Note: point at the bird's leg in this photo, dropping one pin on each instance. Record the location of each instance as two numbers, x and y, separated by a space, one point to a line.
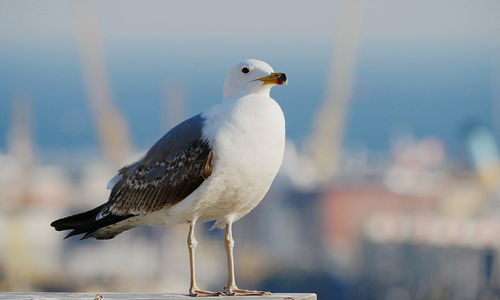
229 245
231 287
192 243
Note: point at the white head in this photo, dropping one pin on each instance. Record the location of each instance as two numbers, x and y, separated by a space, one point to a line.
251 76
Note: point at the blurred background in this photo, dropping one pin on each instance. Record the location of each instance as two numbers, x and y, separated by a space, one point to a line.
390 184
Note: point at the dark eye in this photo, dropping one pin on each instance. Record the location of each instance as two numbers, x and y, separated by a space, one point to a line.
245 70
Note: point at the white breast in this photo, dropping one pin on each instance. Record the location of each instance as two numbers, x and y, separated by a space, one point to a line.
248 138
248 135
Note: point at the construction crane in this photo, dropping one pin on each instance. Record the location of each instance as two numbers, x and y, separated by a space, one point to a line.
324 146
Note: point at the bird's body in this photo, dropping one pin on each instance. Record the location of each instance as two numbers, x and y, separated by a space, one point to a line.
247 159
249 135
217 165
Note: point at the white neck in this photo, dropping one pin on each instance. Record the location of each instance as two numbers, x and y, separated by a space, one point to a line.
264 90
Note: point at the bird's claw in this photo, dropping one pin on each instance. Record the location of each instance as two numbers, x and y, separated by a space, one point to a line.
202 293
241 292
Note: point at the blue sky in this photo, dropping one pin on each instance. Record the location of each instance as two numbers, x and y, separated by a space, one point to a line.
425 67
258 21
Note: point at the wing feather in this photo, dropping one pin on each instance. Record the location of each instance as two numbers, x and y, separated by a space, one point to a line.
152 185
173 168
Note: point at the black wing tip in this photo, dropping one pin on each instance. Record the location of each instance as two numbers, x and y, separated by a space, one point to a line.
89 226
77 220
60 225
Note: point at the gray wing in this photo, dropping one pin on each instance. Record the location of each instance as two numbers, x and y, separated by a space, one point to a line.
171 170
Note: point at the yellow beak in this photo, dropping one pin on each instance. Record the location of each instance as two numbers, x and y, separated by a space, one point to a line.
274 78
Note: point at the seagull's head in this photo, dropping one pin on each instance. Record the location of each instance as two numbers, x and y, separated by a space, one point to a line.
251 76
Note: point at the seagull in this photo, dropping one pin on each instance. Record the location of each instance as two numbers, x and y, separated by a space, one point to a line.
216 166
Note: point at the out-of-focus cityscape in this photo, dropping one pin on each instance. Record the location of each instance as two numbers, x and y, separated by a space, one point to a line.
390 184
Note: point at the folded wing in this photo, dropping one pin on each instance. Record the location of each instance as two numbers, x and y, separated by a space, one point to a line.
171 170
